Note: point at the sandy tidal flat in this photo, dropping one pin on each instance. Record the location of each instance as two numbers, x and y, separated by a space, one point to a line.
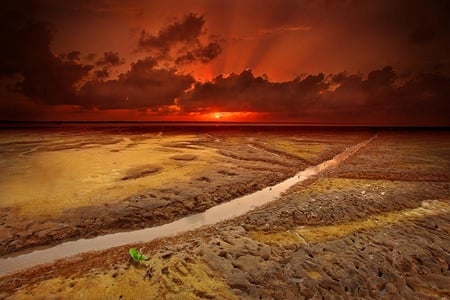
334 235
59 184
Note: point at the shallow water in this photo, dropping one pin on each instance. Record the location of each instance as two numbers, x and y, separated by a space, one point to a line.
213 215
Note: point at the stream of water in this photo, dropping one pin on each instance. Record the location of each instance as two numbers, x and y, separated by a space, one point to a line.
211 216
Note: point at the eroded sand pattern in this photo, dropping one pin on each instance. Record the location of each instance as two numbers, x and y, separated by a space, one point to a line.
90 182
224 211
374 226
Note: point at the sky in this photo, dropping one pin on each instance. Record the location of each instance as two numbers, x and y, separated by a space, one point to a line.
384 62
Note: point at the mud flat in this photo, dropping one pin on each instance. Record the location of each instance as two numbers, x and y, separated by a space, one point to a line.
86 183
336 234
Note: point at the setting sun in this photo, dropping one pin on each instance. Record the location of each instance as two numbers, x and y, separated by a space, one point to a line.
228 116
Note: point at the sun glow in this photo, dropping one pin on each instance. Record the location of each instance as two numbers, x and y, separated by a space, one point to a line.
227 116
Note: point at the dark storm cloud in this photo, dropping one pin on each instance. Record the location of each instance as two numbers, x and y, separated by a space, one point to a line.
51 81
144 86
14 106
110 58
26 51
73 55
182 37
106 63
203 54
15 20
186 31
335 98
20 110
245 92
102 73
47 79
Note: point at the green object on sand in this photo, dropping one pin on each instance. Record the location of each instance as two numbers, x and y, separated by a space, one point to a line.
136 255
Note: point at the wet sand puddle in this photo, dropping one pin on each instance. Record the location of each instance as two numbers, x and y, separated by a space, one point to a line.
211 216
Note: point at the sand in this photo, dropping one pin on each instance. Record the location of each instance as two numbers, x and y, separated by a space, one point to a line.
87 183
353 231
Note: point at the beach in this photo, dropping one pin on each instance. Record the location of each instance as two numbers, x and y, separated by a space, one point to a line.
373 225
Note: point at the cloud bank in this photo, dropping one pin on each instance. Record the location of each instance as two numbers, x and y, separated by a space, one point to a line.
35 81
382 96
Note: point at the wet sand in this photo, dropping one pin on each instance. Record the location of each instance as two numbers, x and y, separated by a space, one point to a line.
86 183
224 211
352 231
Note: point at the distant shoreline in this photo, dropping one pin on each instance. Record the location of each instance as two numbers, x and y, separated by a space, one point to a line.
7 124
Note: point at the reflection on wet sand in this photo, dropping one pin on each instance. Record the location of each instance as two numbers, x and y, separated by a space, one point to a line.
213 215
87 183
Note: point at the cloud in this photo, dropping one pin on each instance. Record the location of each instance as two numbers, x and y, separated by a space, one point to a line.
181 42
111 59
37 80
49 80
202 54
102 73
14 106
186 31
26 51
245 92
143 86
72 55
339 98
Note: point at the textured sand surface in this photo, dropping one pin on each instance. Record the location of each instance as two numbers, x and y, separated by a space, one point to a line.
335 235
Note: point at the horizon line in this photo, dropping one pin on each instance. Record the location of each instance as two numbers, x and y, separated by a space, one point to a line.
313 124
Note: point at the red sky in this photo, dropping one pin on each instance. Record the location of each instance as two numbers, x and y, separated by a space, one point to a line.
321 61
